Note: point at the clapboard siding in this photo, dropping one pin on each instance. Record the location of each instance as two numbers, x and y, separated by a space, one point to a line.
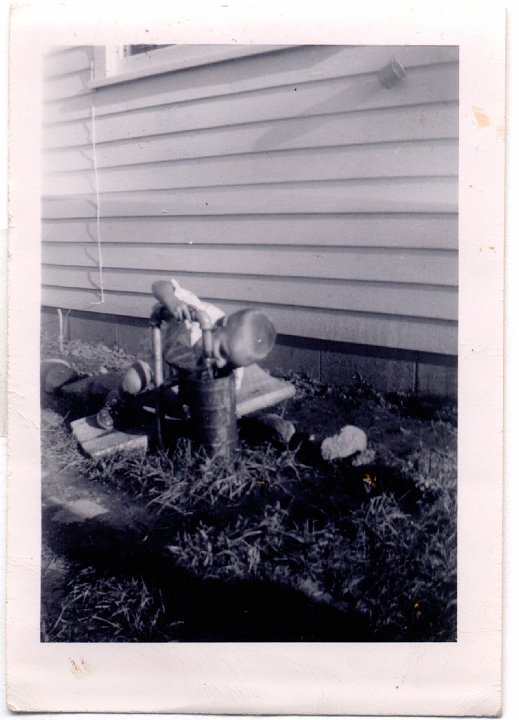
384 297
283 69
313 99
337 163
350 327
415 266
384 125
66 86
72 60
291 179
433 231
435 194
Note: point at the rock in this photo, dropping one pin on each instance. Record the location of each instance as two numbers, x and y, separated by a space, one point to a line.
366 457
349 441
284 429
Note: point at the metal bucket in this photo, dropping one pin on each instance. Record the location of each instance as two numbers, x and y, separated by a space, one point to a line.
212 405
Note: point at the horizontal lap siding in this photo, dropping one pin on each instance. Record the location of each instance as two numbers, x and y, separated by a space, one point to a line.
315 99
382 125
397 230
337 163
415 266
384 297
350 327
368 196
281 69
291 180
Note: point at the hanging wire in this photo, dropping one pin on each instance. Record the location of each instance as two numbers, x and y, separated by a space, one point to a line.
98 205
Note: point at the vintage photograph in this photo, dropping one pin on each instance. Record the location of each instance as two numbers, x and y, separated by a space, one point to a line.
255 361
249 343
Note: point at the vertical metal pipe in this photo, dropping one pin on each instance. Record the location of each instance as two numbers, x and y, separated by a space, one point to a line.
158 370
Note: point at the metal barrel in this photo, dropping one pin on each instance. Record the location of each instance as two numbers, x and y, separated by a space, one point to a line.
212 405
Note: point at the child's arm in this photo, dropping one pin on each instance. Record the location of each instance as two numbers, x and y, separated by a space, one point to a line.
164 291
179 301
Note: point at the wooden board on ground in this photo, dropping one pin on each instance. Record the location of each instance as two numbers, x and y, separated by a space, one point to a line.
258 390
97 442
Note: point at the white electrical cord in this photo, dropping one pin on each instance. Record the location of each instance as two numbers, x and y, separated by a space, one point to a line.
98 207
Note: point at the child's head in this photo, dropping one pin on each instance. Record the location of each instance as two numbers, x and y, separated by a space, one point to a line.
243 338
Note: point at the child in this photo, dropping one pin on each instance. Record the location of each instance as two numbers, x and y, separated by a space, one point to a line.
238 340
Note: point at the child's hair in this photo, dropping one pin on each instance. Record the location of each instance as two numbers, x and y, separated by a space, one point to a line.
249 336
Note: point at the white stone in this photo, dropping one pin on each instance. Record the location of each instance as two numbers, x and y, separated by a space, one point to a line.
366 457
348 441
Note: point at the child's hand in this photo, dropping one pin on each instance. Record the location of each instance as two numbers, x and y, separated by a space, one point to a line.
160 314
182 312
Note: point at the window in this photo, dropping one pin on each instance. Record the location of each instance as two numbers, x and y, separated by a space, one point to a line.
138 49
123 63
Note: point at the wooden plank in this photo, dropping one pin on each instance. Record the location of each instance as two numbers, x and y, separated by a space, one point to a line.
421 122
437 83
364 328
396 195
378 230
381 297
73 60
259 390
437 267
289 67
98 443
86 428
437 157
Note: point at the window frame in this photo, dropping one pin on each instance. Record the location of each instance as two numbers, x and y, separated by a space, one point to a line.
112 65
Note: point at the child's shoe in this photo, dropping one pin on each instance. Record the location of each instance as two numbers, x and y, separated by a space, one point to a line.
108 415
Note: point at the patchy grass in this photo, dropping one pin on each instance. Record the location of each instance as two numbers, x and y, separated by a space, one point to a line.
95 607
298 551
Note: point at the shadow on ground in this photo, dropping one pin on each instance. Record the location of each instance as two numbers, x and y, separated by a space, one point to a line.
125 541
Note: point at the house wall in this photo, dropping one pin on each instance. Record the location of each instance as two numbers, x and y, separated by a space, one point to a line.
291 180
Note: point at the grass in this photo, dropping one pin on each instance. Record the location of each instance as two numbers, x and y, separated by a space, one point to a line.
96 606
328 543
